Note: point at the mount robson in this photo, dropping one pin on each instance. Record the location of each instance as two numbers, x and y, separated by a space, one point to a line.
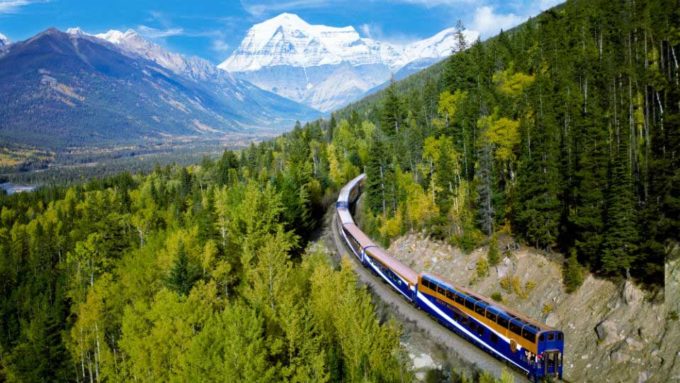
65 89
328 67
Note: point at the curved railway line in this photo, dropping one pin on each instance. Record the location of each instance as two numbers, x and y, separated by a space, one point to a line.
478 337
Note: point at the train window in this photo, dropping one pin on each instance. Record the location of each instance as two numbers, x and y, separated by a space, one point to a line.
528 335
502 321
551 337
494 337
560 336
460 300
470 304
449 294
515 328
491 315
479 309
440 290
541 338
425 283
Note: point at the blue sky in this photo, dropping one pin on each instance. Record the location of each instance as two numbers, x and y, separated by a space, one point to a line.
212 29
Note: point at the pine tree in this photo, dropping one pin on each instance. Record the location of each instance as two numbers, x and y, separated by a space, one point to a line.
485 206
183 274
493 255
392 115
572 273
380 183
620 238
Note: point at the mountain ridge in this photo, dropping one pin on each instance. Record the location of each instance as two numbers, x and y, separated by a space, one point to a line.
68 89
295 59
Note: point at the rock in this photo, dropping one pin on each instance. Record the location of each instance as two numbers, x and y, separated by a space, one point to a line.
634 344
552 320
606 332
631 294
643 376
504 267
620 353
423 361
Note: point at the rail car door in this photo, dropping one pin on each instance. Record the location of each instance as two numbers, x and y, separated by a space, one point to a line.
552 363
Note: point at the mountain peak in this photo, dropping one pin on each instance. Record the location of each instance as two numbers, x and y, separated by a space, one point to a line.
286 18
4 40
312 63
117 37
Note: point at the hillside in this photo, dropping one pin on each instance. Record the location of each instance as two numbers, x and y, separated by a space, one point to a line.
62 90
614 332
559 137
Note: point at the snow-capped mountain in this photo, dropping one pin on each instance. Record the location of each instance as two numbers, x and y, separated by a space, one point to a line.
74 89
193 67
265 107
4 43
327 67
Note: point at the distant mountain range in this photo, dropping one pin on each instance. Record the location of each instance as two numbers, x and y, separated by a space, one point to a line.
326 67
62 89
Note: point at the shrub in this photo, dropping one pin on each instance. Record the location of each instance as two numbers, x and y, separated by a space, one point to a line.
547 308
572 273
497 296
493 255
482 268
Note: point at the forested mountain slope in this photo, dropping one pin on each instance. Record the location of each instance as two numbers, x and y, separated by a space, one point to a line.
60 90
564 131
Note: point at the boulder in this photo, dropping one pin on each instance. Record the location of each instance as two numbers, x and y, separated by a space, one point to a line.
620 353
552 320
504 267
607 332
643 376
631 294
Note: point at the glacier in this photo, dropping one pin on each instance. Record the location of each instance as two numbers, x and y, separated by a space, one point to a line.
328 67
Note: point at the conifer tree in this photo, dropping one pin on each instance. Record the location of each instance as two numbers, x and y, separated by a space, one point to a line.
183 274
619 246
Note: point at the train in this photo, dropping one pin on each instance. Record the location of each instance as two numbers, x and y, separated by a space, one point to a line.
521 342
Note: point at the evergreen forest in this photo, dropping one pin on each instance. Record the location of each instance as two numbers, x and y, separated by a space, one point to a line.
563 132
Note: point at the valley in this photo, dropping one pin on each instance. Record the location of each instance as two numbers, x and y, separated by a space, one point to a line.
508 194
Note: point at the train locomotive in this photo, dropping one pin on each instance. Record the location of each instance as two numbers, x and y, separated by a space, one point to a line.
521 342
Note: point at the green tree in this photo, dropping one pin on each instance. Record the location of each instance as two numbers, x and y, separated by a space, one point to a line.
183 274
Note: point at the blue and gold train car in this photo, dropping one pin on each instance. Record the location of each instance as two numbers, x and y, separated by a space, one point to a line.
530 346
523 343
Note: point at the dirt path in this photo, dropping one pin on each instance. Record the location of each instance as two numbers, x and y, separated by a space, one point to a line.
429 343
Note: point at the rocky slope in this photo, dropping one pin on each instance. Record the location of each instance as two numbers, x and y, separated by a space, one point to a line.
311 63
614 333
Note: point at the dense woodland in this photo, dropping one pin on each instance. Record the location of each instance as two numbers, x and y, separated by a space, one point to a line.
563 132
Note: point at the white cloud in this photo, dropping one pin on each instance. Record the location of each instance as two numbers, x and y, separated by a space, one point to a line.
12 6
265 7
488 23
436 3
220 46
155 33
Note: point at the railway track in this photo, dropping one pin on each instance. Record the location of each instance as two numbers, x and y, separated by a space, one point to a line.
404 311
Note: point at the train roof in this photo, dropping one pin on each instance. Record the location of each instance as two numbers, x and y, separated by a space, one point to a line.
391 262
345 216
499 308
344 192
354 231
